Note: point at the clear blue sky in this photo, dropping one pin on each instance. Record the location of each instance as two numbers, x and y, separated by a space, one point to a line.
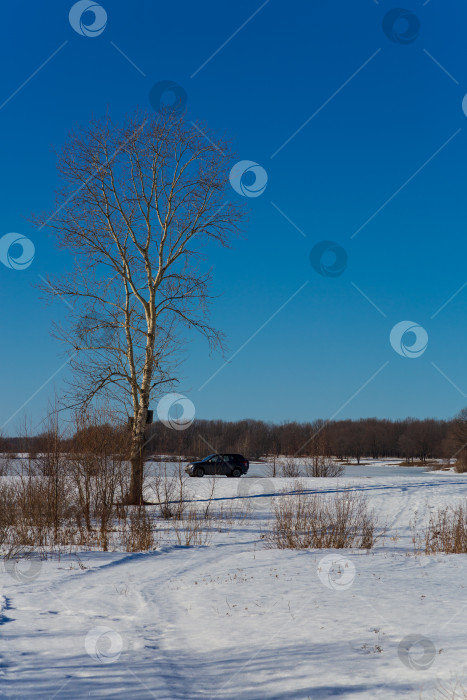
370 138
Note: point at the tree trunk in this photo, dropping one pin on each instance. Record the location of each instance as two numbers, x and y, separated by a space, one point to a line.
135 494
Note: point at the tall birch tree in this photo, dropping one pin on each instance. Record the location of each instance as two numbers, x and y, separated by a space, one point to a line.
139 201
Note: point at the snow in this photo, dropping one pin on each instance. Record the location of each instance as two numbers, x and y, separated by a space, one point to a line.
234 619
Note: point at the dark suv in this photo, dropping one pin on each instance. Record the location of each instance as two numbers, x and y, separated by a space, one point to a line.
213 465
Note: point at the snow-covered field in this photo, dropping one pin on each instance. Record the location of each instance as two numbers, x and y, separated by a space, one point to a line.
233 619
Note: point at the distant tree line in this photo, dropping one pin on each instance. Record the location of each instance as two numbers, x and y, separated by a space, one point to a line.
409 439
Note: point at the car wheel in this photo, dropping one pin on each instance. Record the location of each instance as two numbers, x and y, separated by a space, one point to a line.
236 473
199 472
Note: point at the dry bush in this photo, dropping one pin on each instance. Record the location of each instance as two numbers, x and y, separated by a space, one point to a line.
461 466
445 532
290 468
39 515
44 496
67 498
192 528
323 467
98 468
138 533
338 521
8 512
169 491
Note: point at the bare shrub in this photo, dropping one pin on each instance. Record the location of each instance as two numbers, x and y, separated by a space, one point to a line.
38 517
290 468
323 467
342 520
169 491
98 468
8 512
43 496
461 466
138 534
192 529
43 514
445 532
66 497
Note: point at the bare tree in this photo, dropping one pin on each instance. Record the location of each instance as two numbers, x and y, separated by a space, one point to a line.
138 202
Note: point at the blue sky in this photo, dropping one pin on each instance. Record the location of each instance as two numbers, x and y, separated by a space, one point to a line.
381 153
